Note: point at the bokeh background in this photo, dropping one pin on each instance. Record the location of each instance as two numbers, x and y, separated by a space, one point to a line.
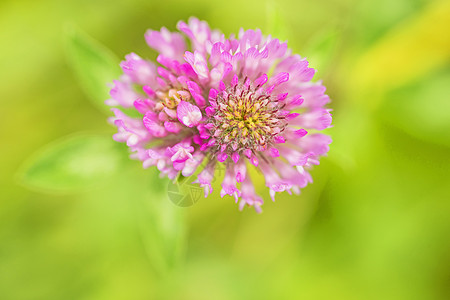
375 224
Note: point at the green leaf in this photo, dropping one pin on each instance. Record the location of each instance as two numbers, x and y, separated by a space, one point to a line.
322 47
420 109
94 65
276 24
161 225
72 163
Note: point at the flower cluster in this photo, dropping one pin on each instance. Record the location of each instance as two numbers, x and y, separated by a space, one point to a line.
238 101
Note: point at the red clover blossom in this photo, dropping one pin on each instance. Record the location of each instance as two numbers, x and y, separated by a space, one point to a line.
237 101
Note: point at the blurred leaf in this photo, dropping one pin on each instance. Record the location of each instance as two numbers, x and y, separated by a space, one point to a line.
421 110
72 163
407 52
321 48
161 226
94 65
370 22
276 24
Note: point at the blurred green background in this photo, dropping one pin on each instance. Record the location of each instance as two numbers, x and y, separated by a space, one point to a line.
375 224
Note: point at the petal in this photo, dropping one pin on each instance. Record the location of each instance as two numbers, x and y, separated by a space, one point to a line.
188 114
169 44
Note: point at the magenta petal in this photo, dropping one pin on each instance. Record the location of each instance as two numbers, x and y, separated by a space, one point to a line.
296 100
172 126
292 116
222 157
196 93
261 80
154 127
274 152
235 81
212 94
144 105
254 161
188 114
281 97
279 78
149 91
279 139
301 132
170 44
210 111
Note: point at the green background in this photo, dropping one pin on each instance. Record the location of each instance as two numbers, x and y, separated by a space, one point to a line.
375 224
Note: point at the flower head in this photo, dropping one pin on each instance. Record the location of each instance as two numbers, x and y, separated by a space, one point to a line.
236 101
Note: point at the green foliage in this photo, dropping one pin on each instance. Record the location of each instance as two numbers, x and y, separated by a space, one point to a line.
321 49
420 109
73 163
275 21
94 65
161 227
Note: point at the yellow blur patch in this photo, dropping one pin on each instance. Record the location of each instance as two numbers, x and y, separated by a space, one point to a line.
406 53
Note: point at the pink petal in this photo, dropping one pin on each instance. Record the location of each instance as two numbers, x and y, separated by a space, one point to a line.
188 114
